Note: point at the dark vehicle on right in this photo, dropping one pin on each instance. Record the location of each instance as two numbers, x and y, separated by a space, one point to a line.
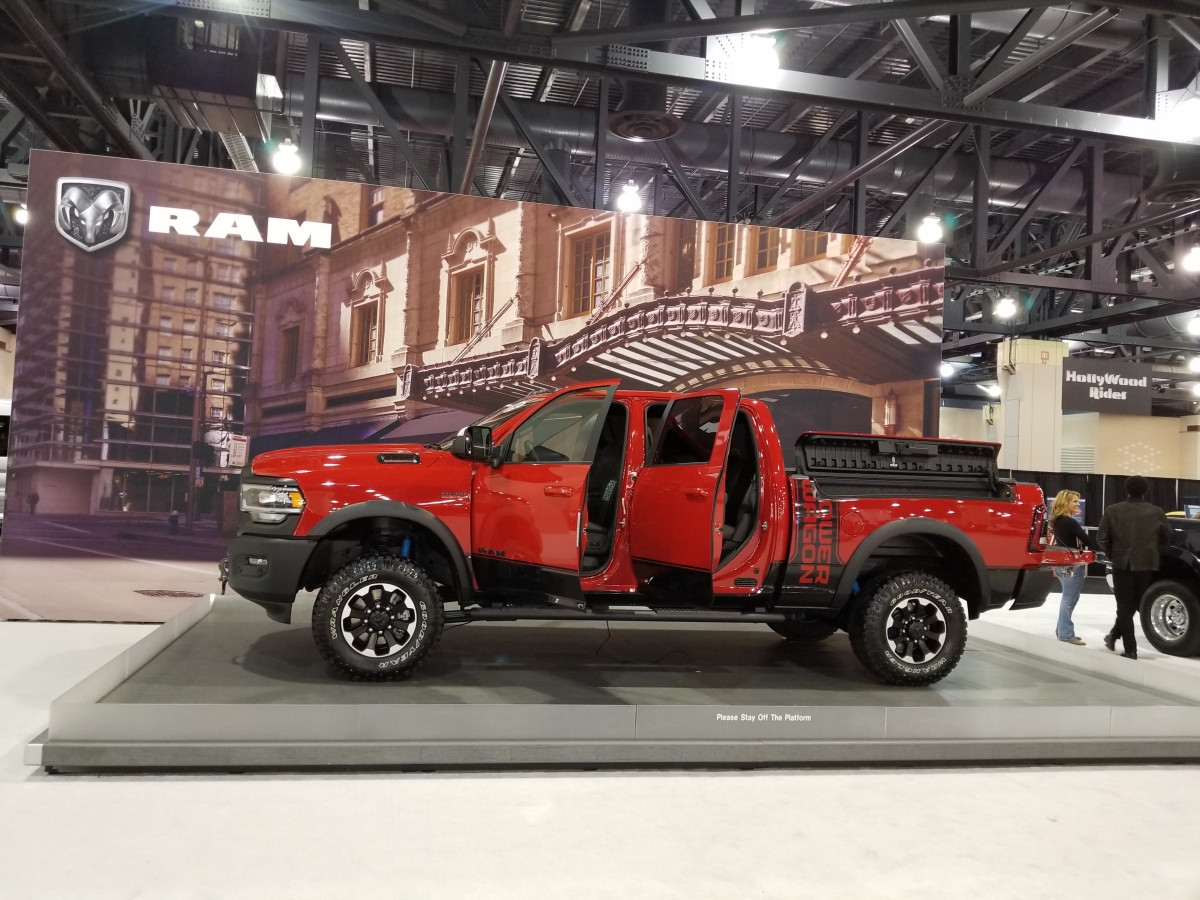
1171 606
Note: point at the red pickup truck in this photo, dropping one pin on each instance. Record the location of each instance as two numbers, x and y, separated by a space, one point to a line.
593 503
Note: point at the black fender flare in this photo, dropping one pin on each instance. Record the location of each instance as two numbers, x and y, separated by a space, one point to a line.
406 512
1183 557
920 527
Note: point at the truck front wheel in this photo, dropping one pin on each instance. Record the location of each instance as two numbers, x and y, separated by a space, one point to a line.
377 618
1171 618
908 628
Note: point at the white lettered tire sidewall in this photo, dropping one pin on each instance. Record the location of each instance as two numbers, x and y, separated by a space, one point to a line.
340 590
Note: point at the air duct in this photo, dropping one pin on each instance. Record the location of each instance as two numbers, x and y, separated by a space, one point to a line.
706 147
642 115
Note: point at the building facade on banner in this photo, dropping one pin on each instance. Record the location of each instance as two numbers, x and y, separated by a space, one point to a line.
430 309
134 358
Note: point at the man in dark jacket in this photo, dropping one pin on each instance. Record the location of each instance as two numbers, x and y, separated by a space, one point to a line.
1134 534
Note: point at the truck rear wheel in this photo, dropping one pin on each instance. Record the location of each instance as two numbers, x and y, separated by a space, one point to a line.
1171 618
795 628
377 618
909 629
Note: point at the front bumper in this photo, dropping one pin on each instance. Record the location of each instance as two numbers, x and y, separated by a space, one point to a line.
272 586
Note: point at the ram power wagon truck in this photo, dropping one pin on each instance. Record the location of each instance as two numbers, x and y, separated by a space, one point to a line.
592 503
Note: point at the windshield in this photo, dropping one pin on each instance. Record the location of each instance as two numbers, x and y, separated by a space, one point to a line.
496 418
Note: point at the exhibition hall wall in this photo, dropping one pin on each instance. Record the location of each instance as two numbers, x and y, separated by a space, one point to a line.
177 320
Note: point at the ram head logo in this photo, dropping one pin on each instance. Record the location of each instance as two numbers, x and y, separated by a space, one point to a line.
92 213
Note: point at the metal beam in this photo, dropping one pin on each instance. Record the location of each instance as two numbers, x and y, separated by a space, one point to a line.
1030 62
44 35
487 103
960 44
1031 207
953 147
389 124
698 10
922 53
25 98
733 189
1187 30
561 180
683 182
308 116
858 206
981 196
816 148
883 156
9 125
839 15
1000 55
1158 64
1087 240
598 197
308 17
423 13
462 112
1061 283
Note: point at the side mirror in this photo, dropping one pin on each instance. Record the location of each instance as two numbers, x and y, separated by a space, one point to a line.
475 442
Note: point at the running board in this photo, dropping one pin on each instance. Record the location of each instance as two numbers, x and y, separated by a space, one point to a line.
513 613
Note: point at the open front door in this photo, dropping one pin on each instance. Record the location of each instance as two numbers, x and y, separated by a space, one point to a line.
675 512
527 514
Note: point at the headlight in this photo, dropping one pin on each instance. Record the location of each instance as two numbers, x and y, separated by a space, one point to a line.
271 503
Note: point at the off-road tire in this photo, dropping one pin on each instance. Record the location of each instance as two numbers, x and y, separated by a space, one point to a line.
402 587
1171 618
875 635
804 630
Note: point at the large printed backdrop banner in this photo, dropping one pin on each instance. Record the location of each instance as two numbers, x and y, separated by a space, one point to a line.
168 310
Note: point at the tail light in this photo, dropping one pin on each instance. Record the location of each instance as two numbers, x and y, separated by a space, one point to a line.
1037 535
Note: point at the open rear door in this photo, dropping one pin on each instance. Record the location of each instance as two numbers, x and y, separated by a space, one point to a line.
676 498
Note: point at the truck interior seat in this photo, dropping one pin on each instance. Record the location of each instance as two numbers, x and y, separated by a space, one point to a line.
603 489
741 489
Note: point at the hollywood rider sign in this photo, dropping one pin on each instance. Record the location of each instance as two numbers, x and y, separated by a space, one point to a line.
1091 385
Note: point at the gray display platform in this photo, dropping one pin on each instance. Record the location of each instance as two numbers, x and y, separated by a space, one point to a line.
229 689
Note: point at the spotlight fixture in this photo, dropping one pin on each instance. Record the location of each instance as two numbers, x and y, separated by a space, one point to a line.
286 158
1196 389
1194 364
629 201
1191 262
754 59
1005 308
1193 326
992 390
947 370
1186 119
22 214
930 230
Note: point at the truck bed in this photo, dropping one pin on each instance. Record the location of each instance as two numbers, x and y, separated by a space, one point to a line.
846 465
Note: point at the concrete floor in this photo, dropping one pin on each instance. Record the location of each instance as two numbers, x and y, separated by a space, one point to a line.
1040 832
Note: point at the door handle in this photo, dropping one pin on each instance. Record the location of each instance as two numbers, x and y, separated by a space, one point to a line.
554 490
695 493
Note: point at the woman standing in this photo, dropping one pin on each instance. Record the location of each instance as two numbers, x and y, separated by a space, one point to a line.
1069 533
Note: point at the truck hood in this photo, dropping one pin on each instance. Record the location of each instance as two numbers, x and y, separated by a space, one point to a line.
298 462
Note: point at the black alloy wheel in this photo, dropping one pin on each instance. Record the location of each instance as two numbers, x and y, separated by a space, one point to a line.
908 628
378 618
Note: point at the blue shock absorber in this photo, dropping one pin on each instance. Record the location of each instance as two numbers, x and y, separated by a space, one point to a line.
406 548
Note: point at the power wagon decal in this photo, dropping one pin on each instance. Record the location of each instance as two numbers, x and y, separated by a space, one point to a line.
813 569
